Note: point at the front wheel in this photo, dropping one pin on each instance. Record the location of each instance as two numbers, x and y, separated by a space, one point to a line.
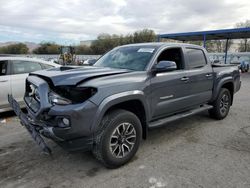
221 105
119 138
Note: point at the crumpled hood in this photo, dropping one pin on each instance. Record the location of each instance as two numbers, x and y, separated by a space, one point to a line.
76 75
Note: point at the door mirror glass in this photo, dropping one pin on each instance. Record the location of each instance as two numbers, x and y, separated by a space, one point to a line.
165 66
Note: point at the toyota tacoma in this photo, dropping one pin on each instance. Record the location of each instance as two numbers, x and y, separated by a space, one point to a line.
109 107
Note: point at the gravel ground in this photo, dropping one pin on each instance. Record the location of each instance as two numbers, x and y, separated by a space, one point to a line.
193 152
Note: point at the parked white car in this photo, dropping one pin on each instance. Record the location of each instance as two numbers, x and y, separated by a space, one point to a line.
13 72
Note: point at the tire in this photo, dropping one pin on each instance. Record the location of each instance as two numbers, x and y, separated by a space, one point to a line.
119 138
221 105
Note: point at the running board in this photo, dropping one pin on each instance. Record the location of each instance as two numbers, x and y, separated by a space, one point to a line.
163 121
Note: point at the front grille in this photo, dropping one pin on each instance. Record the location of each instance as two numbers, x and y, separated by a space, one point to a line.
32 97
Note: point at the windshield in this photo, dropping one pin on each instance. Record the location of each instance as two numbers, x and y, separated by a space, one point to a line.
133 58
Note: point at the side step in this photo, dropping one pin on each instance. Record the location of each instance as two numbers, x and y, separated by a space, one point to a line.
163 121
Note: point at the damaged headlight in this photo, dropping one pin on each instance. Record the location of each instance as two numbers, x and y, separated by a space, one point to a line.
57 99
64 95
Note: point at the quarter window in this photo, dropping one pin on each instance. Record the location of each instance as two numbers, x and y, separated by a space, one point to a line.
21 67
196 58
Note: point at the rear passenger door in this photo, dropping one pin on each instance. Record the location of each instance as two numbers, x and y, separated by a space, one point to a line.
20 71
4 84
200 75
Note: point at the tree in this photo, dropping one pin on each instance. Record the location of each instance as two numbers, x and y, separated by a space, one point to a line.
47 48
106 42
18 48
145 35
83 49
244 45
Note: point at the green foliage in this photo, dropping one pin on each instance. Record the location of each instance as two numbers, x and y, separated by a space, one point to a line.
144 35
102 44
47 48
83 49
106 42
19 48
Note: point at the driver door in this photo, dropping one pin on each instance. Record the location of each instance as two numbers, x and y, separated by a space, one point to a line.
169 90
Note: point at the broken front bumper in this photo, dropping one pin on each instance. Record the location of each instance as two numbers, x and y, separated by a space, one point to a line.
27 122
67 138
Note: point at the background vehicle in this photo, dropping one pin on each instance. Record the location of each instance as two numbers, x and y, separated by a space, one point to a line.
89 62
67 55
13 72
242 62
244 66
109 107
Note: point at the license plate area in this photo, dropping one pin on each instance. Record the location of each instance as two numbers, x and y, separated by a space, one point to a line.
25 121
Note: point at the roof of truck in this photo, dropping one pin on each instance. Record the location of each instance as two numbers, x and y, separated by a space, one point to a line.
160 44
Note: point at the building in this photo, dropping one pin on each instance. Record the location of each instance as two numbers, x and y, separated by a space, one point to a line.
86 42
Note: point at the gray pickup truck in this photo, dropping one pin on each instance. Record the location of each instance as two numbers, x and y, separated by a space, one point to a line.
108 107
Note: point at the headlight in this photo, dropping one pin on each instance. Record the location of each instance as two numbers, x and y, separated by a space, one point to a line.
64 95
57 99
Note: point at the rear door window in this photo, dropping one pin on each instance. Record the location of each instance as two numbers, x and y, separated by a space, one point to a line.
196 58
21 67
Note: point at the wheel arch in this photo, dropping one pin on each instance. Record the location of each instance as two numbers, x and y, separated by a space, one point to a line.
133 101
227 83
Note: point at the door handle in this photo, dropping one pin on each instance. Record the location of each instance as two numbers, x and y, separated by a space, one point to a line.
184 79
208 75
3 80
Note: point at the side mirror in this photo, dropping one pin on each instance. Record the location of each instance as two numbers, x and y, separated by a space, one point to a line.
165 66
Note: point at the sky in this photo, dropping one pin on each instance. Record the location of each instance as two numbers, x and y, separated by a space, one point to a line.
71 21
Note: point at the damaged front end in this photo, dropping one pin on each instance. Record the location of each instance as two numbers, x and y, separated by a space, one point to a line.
57 113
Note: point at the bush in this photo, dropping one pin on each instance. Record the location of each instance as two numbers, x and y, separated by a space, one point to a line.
19 48
47 48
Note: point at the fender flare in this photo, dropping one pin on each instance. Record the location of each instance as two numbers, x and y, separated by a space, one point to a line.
223 81
115 99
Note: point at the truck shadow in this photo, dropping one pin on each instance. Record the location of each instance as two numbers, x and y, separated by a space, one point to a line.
7 114
25 161
10 114
179 127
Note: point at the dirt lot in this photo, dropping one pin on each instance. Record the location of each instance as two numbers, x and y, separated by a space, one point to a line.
193 152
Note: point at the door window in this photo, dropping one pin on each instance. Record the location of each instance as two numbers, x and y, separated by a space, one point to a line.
21 67
3 68
196 58
172 54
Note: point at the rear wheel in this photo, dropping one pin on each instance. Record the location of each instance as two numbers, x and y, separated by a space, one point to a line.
221 105
119 138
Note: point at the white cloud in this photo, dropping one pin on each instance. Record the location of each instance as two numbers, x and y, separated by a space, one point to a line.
76 20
